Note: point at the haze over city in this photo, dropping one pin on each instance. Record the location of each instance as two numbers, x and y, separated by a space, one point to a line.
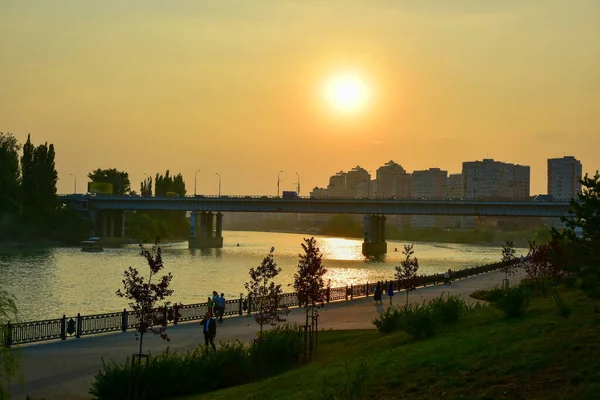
248 88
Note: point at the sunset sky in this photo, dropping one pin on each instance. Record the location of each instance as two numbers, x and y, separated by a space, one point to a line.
237 87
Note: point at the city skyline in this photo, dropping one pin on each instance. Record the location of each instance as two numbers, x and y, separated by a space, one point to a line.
235 88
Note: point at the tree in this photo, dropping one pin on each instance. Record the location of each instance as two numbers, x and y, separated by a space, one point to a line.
540 265
264 293
308 281
10 174
166 183
146 187
145 297
508 259
406 272
581 237
119 179
28 181
9 359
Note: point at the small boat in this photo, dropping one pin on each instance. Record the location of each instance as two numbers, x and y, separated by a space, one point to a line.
92 245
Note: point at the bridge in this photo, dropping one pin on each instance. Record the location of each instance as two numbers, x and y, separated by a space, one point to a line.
103 209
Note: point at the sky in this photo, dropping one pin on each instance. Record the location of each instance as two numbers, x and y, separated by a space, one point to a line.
235 87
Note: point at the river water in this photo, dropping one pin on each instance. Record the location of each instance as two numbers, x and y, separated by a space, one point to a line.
55 281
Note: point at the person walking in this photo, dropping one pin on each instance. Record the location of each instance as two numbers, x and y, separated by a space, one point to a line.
210 304
221 307
215 309
377 295
209 329
390 291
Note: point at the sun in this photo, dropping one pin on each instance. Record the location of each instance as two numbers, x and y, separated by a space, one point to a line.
346 93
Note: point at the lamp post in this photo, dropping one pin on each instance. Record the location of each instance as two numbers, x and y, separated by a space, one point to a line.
278 181
195 174
75 184
219 183
298 184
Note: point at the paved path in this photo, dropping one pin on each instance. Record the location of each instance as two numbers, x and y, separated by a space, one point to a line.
65 369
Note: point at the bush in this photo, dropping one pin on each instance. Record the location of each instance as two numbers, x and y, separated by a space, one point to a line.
447 310
564 310
200 370
513 301
488 295
388 321
276 350
570 281
417 320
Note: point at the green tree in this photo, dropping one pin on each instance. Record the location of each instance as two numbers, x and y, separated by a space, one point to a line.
406 272
10 174
119 179
146 187
308 280
46 178
582 234
264 293
508 259
28 180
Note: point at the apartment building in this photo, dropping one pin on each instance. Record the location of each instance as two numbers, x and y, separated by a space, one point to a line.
564 175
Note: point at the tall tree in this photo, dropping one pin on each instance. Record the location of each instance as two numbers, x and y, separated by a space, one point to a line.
264 293
582 235
508 259
10 174
28 179
308 280
119 179
406 272
46 178
146 187
166 183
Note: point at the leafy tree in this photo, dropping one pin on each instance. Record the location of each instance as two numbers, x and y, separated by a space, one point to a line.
10 174
146 187
508 259
119 179
46 178
576 249
28 181
145 297
265 294
9 359
167 183
540 263
308 281
406 272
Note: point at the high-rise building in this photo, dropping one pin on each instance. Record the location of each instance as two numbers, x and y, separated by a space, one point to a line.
358 180
455 186
489 180
387 179
564 175
429 184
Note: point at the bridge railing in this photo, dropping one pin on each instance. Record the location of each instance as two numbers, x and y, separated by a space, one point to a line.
82 325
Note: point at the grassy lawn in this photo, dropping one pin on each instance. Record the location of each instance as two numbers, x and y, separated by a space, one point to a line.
484 356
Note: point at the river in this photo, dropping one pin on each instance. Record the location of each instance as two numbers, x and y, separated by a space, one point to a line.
55 281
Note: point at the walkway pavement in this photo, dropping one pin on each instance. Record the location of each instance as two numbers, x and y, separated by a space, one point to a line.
65 369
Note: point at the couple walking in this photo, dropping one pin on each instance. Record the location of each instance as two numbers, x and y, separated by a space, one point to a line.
216 305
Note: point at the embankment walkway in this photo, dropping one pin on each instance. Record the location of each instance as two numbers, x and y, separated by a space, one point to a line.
65 369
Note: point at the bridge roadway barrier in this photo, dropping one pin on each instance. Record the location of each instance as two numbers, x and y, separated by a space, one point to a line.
507 208
67 328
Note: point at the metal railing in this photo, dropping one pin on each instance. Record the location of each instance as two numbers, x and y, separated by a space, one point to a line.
81 325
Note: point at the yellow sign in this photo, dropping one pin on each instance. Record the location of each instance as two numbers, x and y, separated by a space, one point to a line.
100 187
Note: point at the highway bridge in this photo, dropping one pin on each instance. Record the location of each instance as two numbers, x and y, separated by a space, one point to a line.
107 212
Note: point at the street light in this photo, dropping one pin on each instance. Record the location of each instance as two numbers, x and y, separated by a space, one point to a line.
195 174
298 185
75 184
219 183
278 181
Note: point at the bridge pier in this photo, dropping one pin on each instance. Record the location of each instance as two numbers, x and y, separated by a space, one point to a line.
374 244
208 238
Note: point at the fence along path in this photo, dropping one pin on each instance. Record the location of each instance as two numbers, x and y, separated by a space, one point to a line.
82 325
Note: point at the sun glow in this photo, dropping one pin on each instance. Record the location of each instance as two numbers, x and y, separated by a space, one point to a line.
346 93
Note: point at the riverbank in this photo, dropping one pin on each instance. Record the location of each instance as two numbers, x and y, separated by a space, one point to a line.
540 355
65 369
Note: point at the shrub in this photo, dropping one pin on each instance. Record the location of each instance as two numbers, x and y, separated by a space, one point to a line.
417 320
564 310
276 350
388 320
447 310
570 281
488 295
513 301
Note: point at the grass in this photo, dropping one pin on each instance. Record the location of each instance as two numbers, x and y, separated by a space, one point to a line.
541 355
